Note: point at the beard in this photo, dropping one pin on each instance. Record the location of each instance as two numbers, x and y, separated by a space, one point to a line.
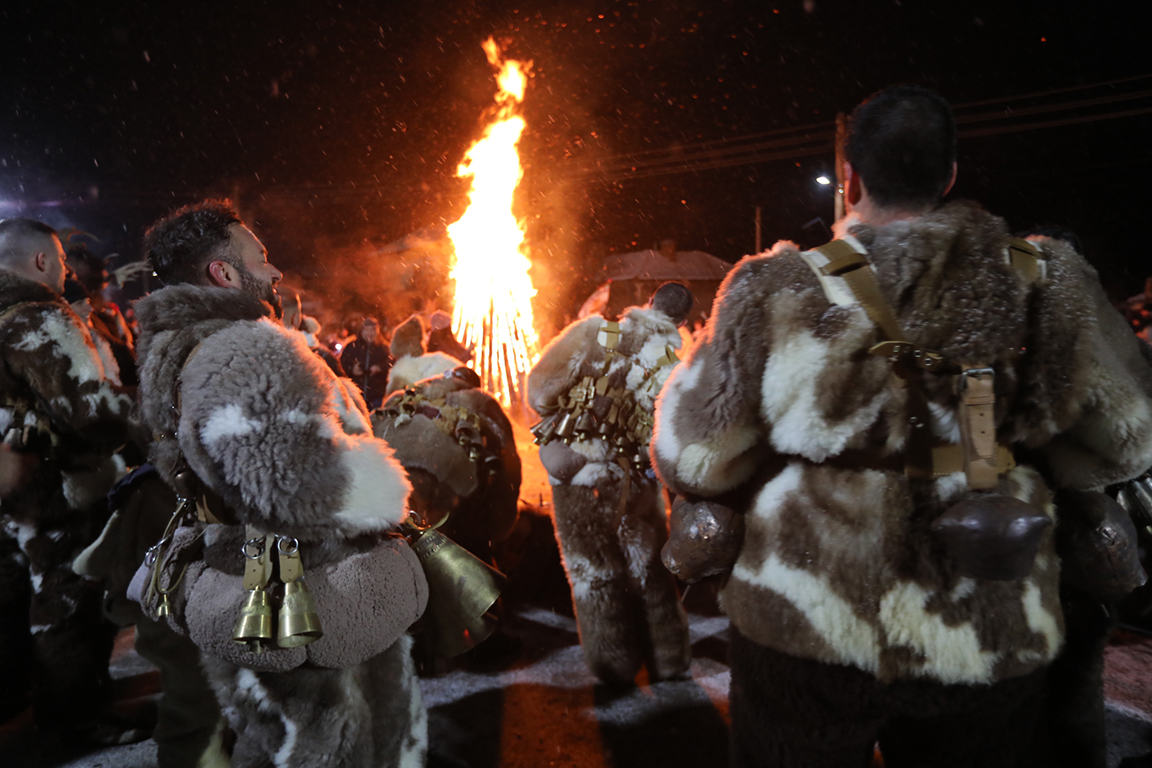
263 291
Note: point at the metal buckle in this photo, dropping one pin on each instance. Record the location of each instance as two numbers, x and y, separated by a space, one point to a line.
962 381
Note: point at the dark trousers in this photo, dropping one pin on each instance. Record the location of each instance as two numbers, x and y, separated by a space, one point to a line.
789 712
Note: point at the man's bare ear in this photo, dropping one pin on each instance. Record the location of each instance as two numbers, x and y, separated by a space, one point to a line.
222 274
42 261
952 181
852 189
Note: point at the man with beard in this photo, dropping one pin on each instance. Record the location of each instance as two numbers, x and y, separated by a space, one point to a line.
279 455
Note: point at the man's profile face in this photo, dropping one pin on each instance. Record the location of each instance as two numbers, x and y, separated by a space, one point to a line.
257 276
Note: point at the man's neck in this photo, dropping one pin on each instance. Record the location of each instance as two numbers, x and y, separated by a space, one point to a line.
878 216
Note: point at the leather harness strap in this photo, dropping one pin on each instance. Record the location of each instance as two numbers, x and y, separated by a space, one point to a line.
978 454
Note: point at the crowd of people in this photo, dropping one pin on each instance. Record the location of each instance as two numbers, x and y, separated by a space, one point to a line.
891 450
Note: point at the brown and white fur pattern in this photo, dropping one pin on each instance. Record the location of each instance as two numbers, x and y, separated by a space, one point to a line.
626 603
288 446
838 565
47 611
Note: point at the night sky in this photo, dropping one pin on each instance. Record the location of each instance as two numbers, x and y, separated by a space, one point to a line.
335 123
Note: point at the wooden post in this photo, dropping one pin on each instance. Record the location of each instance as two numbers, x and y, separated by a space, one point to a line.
757 230
841 137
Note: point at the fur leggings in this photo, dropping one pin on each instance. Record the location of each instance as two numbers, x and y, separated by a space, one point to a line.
627 607
368 715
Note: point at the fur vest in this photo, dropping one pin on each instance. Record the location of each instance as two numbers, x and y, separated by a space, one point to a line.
645 338
838 564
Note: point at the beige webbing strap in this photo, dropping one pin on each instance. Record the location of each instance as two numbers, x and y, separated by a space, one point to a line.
978 427
1026 259
949 459
609 335
257 565
853 267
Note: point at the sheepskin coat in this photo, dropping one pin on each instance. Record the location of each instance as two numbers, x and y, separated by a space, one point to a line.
288 447
838 565
48 613
627 607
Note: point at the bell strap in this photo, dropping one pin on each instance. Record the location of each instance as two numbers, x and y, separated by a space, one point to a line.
978 427
257 558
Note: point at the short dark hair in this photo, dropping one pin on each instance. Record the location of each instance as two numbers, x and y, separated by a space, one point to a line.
902 143
673 300
16 235
182 243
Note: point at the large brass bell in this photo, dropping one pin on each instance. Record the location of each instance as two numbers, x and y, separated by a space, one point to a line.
461 590
299 624
254 625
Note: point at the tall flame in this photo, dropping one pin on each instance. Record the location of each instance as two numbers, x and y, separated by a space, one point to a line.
493 303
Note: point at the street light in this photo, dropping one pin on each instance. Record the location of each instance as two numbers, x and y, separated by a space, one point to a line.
823 180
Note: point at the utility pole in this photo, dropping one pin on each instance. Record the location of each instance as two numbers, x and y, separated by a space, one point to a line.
841 137
757 230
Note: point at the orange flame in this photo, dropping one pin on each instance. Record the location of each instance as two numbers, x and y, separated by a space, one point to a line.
493 303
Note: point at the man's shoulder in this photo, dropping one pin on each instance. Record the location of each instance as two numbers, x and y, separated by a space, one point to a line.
755 279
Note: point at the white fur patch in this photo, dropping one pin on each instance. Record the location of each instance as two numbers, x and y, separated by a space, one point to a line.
772 496
721 463
377 498
953 653
227 422
249 684
788 398
594 473
413 750
409 370
72 342
1040 620
830 615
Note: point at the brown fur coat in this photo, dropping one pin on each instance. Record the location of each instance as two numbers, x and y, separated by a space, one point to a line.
837 564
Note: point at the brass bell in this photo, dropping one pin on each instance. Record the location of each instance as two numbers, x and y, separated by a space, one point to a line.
564 428
585 424
165 607
254 625
461 589
299 624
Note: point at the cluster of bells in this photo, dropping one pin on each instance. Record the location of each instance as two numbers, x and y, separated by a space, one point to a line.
461 592
626 428
296 623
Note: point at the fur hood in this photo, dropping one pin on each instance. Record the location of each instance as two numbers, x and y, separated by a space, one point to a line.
261 420
837 563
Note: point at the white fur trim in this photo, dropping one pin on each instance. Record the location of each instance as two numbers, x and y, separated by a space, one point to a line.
377 498
225 422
